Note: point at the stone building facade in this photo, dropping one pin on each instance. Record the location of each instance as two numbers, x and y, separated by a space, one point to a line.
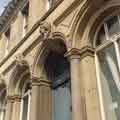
59 60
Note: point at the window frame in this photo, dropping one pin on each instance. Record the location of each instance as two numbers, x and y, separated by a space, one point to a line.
114 40
28 93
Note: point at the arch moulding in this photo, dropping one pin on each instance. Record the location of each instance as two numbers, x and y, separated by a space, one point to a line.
87 20
44 49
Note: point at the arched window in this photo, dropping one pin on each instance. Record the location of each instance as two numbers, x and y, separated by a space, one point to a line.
2 104
25 104
108 68
58 71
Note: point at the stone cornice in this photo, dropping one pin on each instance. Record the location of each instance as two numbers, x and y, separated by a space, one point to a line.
75 53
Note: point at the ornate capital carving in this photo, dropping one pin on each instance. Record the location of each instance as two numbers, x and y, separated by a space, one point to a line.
19 60
14 98
40 81
75 53
45 29
87 51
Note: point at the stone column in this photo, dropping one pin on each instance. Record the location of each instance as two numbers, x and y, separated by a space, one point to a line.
85 99
37 9
40 108
9 108
16 107
88 75
78 101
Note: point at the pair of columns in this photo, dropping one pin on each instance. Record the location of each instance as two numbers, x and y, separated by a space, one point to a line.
85 100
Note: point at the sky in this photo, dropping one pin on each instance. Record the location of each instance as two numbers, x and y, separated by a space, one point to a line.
3 3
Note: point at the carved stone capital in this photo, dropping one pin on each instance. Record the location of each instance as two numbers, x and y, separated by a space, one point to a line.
40 81
87 51
14 98
45 29
75 53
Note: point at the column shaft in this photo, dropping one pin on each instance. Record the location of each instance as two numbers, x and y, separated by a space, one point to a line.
9 108
78 101
16 108
88 75
40 101
77 90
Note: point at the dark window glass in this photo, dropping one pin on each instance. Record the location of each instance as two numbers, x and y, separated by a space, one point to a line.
113 26
110 80
101 36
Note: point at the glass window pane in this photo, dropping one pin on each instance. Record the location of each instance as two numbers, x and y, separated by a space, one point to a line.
62 103
113 26
25 108
110 80
101 36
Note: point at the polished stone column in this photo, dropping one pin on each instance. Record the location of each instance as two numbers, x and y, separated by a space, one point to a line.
9 108
77 89
88 75
16 107
85 99
40 108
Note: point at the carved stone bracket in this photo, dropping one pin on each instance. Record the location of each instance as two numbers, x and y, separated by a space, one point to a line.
45 29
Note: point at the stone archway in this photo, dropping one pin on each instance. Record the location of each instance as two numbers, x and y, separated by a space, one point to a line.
55 42
52 49
20 76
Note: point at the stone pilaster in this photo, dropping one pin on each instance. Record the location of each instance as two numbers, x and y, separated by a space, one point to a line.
41 99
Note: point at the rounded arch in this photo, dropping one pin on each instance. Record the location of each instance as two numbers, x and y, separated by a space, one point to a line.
20 75
55 43
85 26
